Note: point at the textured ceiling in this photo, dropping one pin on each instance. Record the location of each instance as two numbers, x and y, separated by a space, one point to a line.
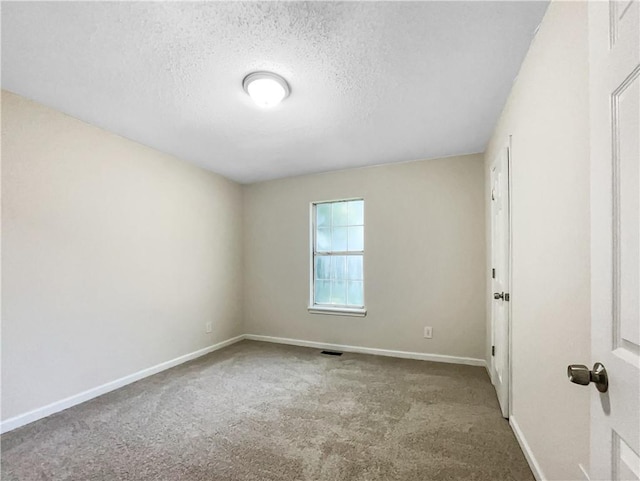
371 83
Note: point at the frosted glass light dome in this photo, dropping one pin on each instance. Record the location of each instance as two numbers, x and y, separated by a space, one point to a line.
266 89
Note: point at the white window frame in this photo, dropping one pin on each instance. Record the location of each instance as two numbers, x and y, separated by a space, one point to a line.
314 308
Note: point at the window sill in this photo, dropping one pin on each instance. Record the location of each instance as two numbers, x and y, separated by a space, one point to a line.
338 311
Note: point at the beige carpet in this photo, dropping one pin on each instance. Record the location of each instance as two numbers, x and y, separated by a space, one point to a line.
258 411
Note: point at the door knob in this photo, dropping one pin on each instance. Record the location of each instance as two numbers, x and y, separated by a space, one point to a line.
498 295
580 374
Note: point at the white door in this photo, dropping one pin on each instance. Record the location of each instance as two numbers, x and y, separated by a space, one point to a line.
614 41
500 257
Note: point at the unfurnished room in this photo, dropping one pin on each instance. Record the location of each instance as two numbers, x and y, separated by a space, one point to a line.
320 241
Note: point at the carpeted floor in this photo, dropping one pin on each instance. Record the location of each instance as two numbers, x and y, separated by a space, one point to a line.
257 411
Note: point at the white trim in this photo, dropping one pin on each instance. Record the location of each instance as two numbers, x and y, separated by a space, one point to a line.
370 350
49 409
42 412
337 311
526 449
583 470
510 277
487 366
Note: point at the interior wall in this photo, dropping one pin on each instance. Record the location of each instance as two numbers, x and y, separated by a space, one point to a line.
424 257
547 114
114 257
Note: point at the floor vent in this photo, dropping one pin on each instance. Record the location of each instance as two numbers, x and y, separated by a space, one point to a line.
331 353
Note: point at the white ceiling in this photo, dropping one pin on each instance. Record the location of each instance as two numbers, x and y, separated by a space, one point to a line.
371 83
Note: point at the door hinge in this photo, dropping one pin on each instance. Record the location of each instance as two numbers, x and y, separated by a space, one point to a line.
493 273
493 350
507 297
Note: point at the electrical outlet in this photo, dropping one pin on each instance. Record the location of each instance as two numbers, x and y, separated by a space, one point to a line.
208 327
428 332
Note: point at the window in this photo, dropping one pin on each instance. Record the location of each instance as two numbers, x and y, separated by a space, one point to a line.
337 261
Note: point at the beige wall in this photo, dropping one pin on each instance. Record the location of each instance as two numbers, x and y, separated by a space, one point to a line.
114 257
424 257
547 113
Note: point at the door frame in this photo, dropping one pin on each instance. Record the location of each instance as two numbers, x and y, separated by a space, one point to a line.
509 281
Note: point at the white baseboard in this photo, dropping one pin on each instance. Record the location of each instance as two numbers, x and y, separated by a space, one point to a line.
49 409
42 412
370 350
583 470
487 366
526 449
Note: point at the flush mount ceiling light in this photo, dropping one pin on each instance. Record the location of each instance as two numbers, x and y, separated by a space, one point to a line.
265 88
